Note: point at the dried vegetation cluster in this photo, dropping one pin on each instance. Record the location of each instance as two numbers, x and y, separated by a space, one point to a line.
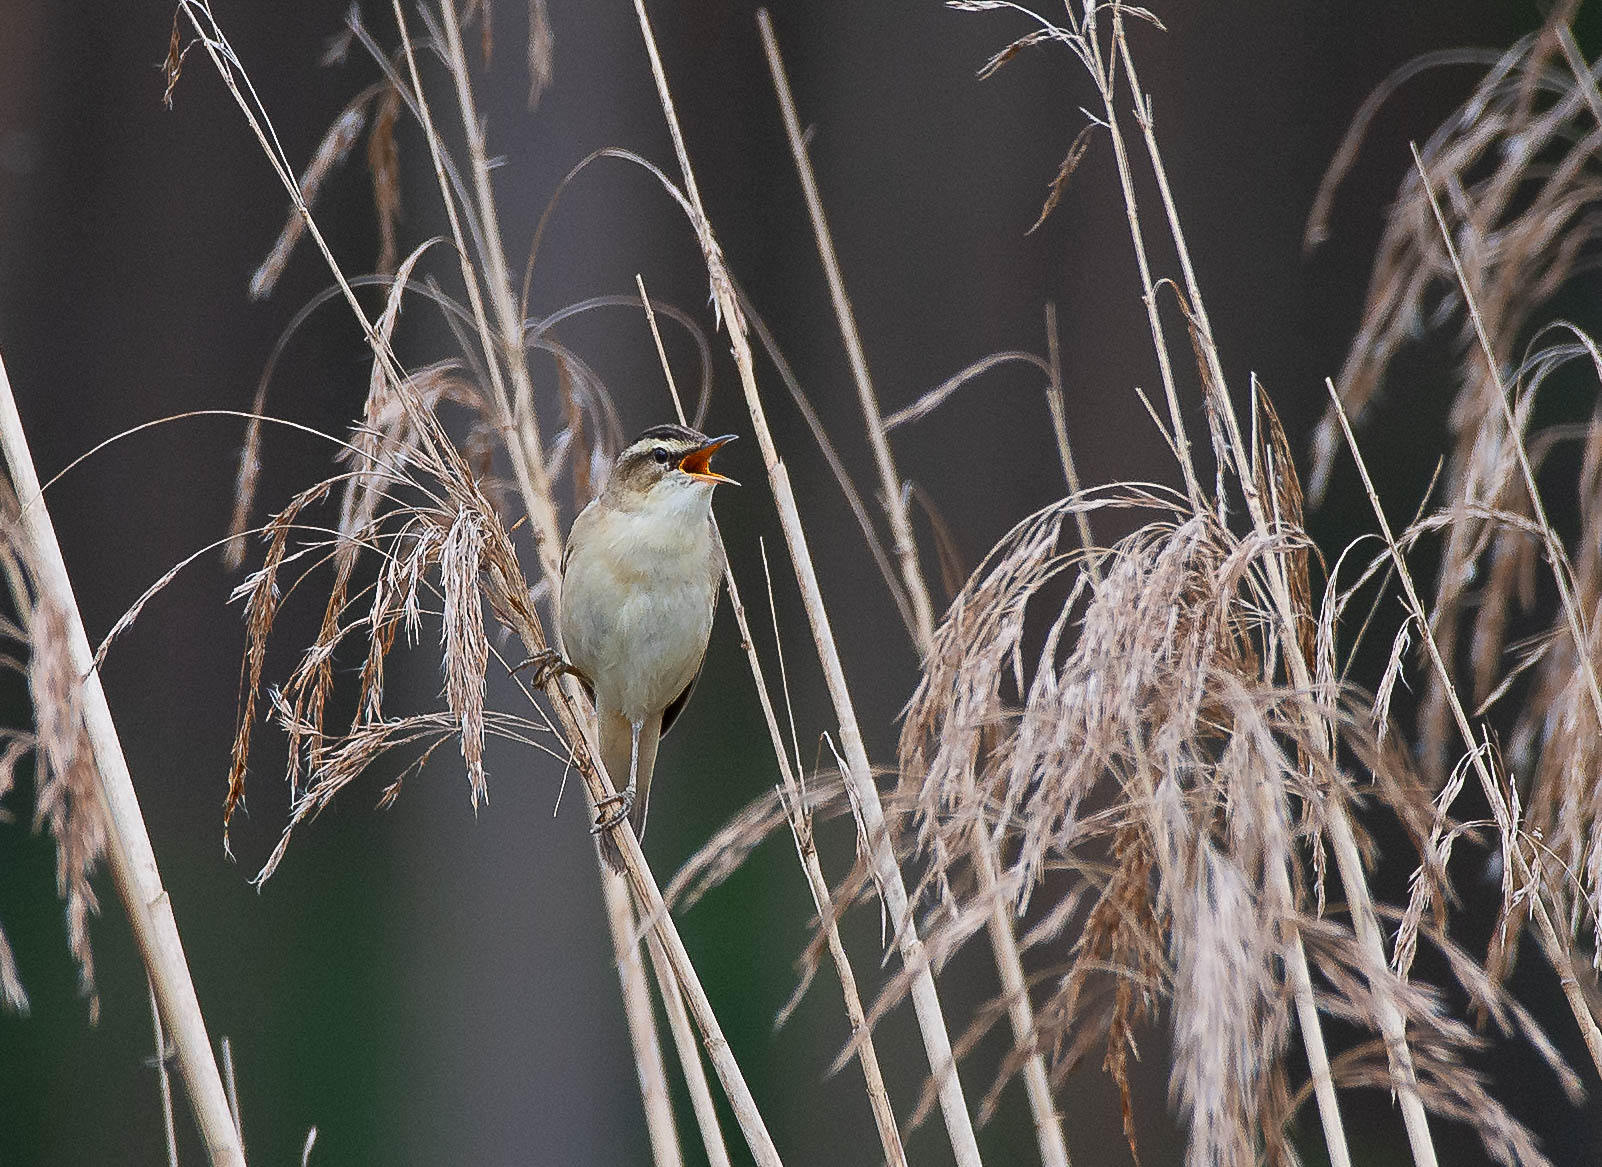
1144 773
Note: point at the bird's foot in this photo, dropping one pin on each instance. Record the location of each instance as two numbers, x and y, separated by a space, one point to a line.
613 809
547 665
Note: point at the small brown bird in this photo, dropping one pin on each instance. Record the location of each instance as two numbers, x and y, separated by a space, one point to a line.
640 578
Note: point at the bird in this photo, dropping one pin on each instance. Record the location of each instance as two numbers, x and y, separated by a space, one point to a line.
641 574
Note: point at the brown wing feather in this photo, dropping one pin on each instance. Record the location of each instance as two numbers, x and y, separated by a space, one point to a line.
676 706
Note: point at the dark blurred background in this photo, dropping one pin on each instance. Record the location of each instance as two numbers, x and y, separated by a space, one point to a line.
430 985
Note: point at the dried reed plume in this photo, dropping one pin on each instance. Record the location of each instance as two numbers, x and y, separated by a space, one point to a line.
410 501
65 803
416 503
1513 175
1156 739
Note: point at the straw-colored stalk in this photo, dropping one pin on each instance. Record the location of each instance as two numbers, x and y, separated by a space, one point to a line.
1556 949
859 779
130 856
637 1012
564 694
523 447
706 1112
1348 859
800 821
1003 938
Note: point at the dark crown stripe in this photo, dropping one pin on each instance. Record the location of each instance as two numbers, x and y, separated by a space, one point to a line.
672 433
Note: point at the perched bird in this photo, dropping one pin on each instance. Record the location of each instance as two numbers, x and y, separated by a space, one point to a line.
640 579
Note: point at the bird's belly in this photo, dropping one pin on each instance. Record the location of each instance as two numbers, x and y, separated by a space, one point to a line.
643 649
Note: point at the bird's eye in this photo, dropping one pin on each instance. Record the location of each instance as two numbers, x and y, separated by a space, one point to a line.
661 455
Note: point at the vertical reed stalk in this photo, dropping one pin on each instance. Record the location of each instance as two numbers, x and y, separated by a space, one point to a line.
801 825
1347 858
129 854
706 1111
1106 82
1058 406
648 1064
926 1000
895 502
1003 940
522 445
523 438
526 464
566 698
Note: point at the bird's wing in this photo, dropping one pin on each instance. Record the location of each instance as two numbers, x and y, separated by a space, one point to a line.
676 706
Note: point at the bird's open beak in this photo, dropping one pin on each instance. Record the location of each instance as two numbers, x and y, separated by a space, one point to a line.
698 463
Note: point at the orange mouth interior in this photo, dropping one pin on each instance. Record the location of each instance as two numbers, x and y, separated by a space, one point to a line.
698 463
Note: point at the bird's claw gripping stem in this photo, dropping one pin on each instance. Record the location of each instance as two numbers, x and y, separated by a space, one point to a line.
547 664
613 809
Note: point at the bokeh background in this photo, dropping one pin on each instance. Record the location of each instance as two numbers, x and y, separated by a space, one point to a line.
430 985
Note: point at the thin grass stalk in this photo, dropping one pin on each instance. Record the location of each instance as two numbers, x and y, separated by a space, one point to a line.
1106 81
660 1127
169 1129
530 472
800 825
1003 939
128 850
1020 1011
1348 859
926 999
524 440
567 700
649 895
1307 1019
895 503
1556 949
534 486
884 1117
1056 403
231 71
706 1111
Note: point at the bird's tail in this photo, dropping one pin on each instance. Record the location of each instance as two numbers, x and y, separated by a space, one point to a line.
616 751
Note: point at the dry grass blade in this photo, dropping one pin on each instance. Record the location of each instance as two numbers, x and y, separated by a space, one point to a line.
725 853
1495 219
926 1001
66 799
894 499
331 151
132 861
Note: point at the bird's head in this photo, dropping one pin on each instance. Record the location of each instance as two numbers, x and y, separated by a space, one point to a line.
667 462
